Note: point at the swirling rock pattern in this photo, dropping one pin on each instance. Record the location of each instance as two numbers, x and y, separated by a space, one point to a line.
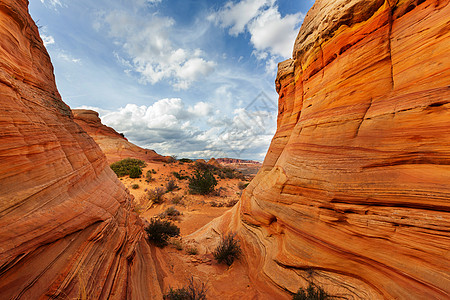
67 229
115 146
354 192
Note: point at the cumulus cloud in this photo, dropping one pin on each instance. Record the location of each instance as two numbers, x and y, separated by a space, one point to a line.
151 52
47 39
236 16
270 33
171 127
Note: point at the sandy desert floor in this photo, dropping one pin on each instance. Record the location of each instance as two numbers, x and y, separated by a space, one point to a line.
178 265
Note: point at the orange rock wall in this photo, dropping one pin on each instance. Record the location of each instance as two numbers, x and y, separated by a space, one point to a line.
354 193
66 226
114 145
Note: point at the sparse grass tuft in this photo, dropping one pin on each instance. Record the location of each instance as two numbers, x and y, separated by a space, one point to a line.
312 292
148 176
171 185
177 244
178 200
231 202
191 250
228 249
156 195
242 185
191 292
171 213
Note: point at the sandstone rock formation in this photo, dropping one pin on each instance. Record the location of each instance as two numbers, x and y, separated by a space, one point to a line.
66 226
354 193
213 162
115 146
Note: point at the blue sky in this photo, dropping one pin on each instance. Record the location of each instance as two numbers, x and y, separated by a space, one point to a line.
187 78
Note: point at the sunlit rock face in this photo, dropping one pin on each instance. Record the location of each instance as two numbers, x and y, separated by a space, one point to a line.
115 146
354 193
66 226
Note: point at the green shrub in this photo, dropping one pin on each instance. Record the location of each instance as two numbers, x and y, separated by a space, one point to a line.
123 167
155 195
242 185
159 231
148 176
178 200
153 171
135 172
171 185
202 183
231 202
312 292
179 176
171 159
191 292
171 213
135 186
185 160
191 250
177 244
228 249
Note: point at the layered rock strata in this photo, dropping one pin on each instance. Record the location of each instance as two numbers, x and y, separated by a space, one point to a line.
115 146
354 192
67 230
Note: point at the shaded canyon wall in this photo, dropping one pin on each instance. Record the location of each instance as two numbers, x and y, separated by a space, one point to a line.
67 229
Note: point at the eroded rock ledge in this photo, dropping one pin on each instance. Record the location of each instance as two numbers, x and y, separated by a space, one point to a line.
353 194
67 229
113 144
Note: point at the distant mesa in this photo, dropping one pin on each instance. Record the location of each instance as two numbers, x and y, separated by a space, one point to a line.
238 161
115 145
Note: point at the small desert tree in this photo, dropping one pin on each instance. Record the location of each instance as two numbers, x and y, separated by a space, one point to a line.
203 182
159 231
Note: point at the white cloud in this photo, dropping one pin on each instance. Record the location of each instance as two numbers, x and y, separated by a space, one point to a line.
271 34
152 54
236 16
269 31
52 3
171 127
47 39
63 55
201 109
144 2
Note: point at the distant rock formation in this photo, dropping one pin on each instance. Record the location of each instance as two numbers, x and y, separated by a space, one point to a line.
67 230
354 192
115 146
214 162
236 161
